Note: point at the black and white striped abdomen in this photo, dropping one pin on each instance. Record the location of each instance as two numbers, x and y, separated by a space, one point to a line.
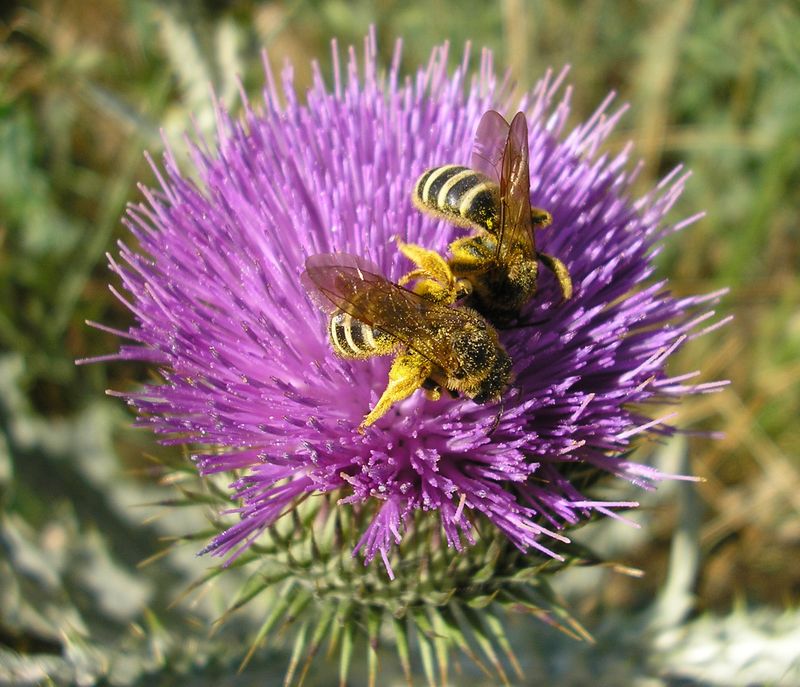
352 338
462 195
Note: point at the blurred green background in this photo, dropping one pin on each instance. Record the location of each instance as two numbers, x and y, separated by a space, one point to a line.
87 85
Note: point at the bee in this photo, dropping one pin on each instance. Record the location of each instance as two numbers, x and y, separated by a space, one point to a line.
500 261
435 346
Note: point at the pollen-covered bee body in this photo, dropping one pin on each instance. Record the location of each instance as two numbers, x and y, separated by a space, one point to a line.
498 290
493 196
436 347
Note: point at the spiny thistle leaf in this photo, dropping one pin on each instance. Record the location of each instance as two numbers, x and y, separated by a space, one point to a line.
497 632
426 652
374 617
401 641
310 591
297 652
346 655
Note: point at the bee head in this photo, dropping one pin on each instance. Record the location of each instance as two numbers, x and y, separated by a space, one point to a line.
496 380
474 346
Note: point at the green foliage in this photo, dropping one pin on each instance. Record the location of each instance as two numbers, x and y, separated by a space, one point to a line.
78 606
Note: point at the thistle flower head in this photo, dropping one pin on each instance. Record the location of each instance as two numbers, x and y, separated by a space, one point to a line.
247 371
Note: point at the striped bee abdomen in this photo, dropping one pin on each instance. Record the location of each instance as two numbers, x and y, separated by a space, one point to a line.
460 195
352 338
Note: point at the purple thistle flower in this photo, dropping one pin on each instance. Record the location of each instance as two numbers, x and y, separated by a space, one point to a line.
247 369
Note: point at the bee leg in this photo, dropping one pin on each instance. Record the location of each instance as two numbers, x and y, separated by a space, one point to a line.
433 390
426 260
413 275
559 269
541 218
407 374
497 418
433 274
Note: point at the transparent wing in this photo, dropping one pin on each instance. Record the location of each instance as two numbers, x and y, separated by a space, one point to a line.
516 226
340 281
490 143
335 279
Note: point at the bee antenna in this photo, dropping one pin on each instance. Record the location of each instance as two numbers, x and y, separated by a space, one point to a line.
497 418
523 325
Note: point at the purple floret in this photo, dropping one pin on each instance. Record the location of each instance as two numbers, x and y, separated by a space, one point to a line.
247 369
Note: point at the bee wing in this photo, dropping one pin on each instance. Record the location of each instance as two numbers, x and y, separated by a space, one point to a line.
340 281
490 143
516 226
334 279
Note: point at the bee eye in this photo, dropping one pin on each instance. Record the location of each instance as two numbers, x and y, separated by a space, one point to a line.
459 373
